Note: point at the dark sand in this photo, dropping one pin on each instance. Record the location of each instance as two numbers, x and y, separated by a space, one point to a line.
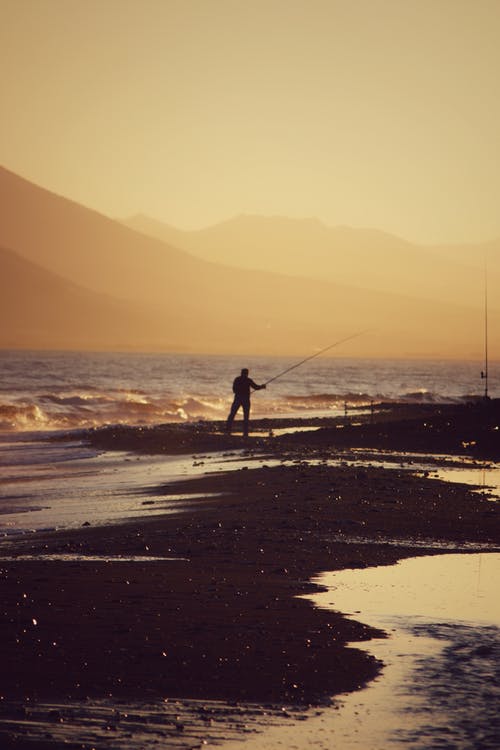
223 622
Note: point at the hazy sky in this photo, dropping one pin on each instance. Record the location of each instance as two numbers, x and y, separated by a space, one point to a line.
380 113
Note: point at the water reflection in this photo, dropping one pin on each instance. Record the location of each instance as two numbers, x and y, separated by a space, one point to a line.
486 477
440 685
459 587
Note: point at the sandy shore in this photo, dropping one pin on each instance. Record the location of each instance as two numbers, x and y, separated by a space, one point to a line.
222 620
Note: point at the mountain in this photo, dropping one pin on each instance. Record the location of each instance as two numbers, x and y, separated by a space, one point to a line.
85 246
74 277
365 258
42 310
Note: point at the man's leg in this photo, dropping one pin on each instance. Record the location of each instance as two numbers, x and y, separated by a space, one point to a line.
234 408
246 417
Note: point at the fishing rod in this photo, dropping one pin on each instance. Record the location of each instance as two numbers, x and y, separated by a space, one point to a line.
484 374
312 356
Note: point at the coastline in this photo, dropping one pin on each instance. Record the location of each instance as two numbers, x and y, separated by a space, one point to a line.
222 621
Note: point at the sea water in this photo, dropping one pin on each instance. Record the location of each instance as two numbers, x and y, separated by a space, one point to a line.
47 484
66 390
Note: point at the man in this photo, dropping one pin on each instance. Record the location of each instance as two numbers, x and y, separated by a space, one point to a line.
241 389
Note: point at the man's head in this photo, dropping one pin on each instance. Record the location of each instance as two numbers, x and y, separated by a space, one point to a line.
244 372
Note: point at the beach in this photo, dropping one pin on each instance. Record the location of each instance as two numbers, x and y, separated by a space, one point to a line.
203 605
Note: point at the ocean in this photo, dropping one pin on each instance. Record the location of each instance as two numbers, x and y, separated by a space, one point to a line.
46 484
69 390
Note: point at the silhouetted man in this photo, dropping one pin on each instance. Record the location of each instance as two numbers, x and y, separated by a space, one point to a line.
241 389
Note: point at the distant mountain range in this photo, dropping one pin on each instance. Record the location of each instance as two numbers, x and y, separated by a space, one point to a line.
364 258
73 278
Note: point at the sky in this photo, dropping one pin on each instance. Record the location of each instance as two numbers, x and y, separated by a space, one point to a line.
366 113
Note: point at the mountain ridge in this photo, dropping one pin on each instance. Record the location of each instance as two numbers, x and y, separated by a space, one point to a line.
183 303
366 258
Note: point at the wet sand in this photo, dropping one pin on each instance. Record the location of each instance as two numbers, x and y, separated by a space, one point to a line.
223 621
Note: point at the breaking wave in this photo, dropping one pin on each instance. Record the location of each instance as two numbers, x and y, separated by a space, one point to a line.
71 411
77 411
364 399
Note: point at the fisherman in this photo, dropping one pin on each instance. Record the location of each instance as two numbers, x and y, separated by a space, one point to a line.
241 389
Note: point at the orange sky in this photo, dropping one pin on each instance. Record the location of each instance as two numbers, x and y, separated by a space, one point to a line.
381 113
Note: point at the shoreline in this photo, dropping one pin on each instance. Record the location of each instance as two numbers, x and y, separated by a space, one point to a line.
223 621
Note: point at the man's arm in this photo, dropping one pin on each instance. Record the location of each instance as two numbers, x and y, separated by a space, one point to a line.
255 386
